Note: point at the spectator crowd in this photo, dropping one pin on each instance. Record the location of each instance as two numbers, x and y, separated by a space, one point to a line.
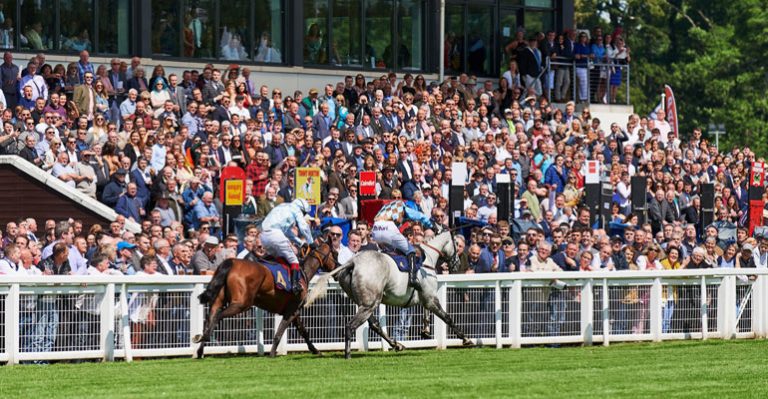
152 146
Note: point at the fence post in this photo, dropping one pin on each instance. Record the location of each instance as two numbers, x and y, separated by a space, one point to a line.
497 312
627 67
657 291
259 326
606 314
726 306
125 323
383 323
196 316
704 316
361 335
587 312
516 312
441 330
107 326
12 309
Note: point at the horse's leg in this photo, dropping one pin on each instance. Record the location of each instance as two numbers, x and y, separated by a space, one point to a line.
433 305
363 313
299 324
425 326
373 322
280 331
214 315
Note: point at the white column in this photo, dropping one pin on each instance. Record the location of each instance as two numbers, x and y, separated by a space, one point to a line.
259 326
704 316
516 313
497 312
587 311
441 330
657 291
107 327
606 315
383 324
12 309
125 323
282 347
196 316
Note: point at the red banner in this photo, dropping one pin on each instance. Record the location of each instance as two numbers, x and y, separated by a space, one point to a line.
671 109
755 215
231 173
368 183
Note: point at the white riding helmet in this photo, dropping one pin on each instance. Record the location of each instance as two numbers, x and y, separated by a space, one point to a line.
302 204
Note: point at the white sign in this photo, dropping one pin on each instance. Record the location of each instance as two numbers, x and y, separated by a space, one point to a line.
593 172
502 178
459 170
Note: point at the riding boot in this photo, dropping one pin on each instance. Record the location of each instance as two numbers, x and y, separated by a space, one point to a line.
413 280
296 281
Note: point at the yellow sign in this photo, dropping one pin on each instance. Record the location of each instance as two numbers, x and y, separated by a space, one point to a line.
233 190
308 185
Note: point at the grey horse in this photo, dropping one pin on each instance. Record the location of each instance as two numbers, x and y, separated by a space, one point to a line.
371 278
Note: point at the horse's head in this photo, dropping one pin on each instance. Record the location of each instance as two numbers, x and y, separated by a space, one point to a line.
447 246
322 251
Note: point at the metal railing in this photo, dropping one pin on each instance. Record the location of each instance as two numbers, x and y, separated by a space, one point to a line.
93 317
592 83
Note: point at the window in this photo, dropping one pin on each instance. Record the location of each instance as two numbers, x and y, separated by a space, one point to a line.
539 3
346 36
269 37
166 28
479 39
113 19
539 21
8 25
37 25
453 48
378 33
316 34
410 34
199 28
75 21
235 35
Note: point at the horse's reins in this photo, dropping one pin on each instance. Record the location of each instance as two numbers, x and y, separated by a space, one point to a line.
439 253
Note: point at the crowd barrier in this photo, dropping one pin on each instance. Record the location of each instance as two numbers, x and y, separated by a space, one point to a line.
93 317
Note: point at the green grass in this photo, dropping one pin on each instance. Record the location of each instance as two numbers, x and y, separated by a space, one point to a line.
680 369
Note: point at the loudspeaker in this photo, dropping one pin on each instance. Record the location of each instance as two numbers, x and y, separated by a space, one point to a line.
639 197
504 205
455 203
592 201
606 198
707 198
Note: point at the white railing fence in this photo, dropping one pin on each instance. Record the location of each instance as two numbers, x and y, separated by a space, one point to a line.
92 317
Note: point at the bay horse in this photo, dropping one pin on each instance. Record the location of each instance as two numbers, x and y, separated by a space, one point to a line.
371 278
239 284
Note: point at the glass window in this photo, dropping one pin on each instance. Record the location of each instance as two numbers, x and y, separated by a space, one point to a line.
113 27
378 33
453 48
75 22
410 35
316 34
347 34
539 21
199 26
269 37
539 3
37 25
479 39
165 30
235 39
8 24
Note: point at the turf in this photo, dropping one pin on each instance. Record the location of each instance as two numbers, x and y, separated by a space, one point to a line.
678 369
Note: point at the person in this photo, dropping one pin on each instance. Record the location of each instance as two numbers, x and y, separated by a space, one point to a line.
386 232
47 307
277 235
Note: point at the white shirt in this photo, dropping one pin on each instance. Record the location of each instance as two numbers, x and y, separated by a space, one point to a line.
345 254
8 267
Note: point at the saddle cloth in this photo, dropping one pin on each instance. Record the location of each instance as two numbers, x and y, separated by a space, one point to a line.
401 260
281 273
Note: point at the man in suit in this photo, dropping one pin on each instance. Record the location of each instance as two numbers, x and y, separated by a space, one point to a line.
322 123
348 204
529 61
29 152
288 192
267 202
692 212
118 80
291 119
84 97
672 208
213 91
178 97
221 112
656 211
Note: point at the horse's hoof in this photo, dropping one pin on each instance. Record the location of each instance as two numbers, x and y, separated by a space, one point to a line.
399 347
347 356
197 338
426 335
467 342
318 353
272 355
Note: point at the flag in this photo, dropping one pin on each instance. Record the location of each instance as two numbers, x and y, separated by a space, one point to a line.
660 107
671 109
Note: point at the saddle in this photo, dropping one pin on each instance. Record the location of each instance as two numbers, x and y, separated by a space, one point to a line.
281 272
401 259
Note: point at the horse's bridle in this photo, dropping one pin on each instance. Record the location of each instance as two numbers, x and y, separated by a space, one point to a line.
314 254
441 255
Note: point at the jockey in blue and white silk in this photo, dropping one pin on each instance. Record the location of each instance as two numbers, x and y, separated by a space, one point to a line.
277 234
386 230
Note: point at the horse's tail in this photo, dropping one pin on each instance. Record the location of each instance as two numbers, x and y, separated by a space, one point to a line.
218 281
321 286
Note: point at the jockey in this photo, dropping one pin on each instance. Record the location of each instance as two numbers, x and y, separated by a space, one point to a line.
277 234
385 231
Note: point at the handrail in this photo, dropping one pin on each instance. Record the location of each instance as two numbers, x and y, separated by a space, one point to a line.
572 64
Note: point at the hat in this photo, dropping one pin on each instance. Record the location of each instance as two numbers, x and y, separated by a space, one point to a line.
529 98
211 240
234 66
507 111
121 171
507 240
388 168
471 81
748 247
125 245
312 91
617 238
526 213
426 186
489 228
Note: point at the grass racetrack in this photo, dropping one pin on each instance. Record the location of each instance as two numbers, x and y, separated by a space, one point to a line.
671 369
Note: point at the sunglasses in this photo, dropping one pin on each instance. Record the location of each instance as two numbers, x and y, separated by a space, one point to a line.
335 234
